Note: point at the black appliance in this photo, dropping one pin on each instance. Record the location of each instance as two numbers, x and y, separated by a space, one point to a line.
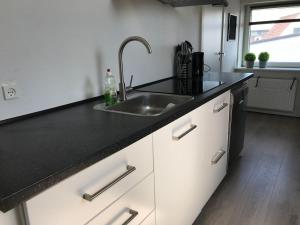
197 64
238 121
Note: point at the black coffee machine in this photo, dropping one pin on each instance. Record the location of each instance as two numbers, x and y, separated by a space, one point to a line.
197 64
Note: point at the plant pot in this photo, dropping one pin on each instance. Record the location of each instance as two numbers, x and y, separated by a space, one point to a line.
262 64
249 64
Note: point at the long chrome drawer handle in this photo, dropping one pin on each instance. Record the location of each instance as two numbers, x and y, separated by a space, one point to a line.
224 105
90 198
218 156
177 138
133 214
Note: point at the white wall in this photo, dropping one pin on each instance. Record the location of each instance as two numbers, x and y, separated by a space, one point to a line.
57 51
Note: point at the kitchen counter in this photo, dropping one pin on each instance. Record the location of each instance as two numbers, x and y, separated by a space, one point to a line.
37 152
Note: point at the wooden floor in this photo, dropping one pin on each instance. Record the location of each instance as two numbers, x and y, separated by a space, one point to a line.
263 187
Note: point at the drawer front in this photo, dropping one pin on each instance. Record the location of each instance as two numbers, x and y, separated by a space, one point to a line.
64 204
178 154
216 152
9 218
150 220
219 110
132 208
217 167
216 125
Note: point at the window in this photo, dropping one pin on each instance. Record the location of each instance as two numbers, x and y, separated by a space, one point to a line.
275 29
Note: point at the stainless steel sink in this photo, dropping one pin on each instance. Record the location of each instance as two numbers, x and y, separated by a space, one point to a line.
146 104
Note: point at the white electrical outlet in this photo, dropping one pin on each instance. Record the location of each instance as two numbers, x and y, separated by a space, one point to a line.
10 90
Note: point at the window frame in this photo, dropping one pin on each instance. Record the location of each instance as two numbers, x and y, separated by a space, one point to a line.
246 35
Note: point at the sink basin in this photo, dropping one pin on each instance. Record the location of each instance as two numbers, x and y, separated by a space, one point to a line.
147 104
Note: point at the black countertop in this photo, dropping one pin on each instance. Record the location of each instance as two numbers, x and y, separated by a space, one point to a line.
39 151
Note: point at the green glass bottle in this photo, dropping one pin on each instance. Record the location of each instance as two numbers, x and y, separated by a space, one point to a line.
110 90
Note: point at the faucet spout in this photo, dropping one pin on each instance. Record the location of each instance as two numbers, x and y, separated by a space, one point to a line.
122 87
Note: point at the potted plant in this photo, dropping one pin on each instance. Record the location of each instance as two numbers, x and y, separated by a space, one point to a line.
250 59
263 59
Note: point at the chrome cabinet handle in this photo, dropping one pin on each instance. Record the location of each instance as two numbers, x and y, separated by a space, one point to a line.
218 156
224 105
90 198
133 214
177 138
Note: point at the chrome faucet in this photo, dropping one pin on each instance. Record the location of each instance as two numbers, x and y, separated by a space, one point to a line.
122 87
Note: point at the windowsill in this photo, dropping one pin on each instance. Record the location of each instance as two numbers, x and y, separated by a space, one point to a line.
279 69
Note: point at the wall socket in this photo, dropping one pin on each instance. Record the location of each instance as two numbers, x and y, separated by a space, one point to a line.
10 90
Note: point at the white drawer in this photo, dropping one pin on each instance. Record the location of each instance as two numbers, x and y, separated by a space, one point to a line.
63 204
220 104
134 206
216 170
150 220
9 218
218 118
216 151
178 153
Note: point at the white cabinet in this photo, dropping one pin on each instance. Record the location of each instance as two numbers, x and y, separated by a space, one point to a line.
190 159
177 168
9 218
150 220
216 143
131 208
64 204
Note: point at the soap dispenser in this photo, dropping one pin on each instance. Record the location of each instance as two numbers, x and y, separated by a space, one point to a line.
110 90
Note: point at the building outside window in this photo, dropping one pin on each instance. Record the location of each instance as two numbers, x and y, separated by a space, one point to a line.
275 29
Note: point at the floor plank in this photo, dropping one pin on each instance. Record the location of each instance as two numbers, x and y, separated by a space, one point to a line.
263 186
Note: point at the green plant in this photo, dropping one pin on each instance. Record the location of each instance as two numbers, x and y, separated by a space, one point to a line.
264 56
251 57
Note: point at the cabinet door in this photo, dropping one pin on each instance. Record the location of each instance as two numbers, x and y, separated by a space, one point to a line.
189 163
211 39
178 170
9 218
216 144
150 220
